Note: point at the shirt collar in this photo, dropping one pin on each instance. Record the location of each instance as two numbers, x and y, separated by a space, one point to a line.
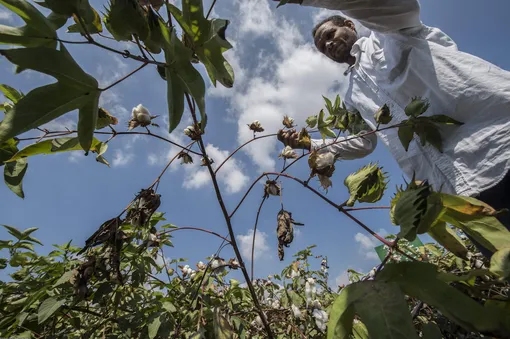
356 51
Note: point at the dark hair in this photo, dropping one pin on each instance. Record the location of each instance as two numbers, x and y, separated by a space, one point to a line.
336 19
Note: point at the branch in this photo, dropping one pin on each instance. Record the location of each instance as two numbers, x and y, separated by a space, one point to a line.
125 77
63 133
254 233
238 148
157 180
338 207
210 9
367 208
195 229
229 226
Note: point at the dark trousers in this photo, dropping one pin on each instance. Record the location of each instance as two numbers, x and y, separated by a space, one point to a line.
499 198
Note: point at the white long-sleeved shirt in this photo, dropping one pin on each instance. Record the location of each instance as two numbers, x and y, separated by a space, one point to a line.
401 59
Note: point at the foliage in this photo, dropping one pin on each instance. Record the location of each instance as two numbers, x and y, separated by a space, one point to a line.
120 284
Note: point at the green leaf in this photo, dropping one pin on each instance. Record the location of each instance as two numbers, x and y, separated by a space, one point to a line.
13 176
29 231
467 205
383 115
405 134
417 107
90 17
324 130
182 78
486 230
366 185
382 309
47 308
56 63
416 210
431 331
450 277
125 18
448 238
66 277
443 119
207 39
38 31
100 150
10 93
14 232
419 280
87 121
7 150
48 147
429 133
359 330
169 307
329 105
222 328
311 121
500 263
64 144
75 90
153 326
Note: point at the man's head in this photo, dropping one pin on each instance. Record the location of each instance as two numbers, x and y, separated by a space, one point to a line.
334 37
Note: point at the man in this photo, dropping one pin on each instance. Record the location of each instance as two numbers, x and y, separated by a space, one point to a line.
402 59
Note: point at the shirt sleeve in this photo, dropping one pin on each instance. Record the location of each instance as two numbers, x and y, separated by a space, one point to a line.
347 148
377 15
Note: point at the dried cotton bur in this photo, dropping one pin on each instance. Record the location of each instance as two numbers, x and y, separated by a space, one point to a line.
271 188
285 231
288 122
145 204
256 126
185 158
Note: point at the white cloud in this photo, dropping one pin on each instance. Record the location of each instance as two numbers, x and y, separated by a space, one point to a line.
261 246
121 158
6 16
288 79
367 244
75 156
230 174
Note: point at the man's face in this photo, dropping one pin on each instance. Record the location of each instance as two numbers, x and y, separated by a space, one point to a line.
336 41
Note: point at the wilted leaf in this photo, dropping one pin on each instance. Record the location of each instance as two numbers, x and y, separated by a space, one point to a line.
366 185
13 176
467 205
447 238
380 305
47 308
500 263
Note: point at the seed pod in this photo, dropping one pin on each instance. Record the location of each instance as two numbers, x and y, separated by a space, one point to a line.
126 17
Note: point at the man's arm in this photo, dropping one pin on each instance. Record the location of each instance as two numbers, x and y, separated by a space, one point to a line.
347 148
344 148
377 15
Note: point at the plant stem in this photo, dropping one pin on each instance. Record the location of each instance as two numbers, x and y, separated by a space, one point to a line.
196 229
238 148
156 181
210 9
254 233
124 77
367 208
230 228
337 206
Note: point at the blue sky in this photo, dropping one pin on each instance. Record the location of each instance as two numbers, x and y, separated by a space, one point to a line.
277 72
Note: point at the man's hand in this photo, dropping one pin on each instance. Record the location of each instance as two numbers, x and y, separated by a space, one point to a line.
290 138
